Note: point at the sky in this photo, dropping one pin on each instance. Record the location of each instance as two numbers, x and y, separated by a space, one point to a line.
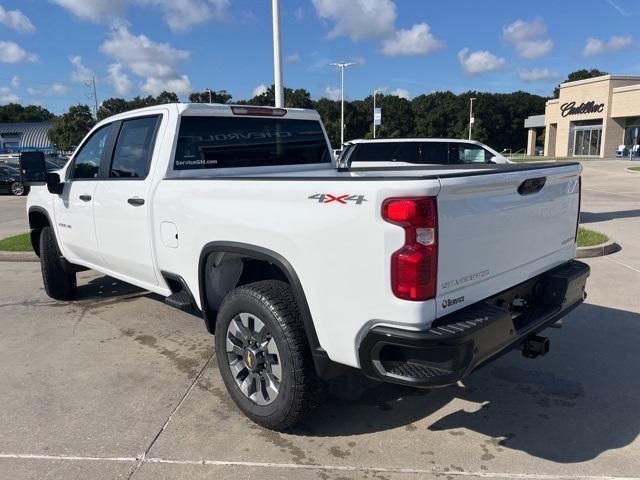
50 49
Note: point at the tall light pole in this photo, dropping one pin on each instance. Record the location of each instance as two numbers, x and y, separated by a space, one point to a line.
375 92
342 66
471 119
277 54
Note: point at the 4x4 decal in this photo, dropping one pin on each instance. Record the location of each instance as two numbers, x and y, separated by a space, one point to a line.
342 199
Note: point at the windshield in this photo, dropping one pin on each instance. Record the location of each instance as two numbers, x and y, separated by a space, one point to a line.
227 142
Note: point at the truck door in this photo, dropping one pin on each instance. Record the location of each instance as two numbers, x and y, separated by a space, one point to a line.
73 209
121 208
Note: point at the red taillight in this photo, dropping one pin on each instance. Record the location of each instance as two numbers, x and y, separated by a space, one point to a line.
259 111
415 266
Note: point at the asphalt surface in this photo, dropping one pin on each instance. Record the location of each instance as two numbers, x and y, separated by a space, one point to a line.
118 385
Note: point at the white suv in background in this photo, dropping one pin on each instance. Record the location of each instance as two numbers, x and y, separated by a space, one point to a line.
398 152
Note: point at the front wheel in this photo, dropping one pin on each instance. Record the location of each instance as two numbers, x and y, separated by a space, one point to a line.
58 284
17 189
263 355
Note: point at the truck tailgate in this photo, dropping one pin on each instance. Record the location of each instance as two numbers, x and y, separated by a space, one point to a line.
499 229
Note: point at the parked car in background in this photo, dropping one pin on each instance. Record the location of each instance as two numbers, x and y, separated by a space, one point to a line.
539 151
397 152
10 181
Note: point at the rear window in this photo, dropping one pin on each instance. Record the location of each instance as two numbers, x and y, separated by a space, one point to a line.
228 142
408 152
469 153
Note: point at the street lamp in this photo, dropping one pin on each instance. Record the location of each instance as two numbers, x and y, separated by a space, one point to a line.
342 66
375 92
471 119
277 54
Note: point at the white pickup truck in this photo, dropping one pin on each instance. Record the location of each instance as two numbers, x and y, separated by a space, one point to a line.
415 275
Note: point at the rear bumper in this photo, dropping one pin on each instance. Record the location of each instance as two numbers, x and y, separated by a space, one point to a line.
460 342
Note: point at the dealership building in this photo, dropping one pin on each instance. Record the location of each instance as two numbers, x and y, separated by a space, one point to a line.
591 118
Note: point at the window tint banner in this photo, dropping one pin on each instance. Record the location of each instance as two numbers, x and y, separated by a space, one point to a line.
231 142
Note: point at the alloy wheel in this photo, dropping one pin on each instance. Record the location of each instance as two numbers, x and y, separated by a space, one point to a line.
254 359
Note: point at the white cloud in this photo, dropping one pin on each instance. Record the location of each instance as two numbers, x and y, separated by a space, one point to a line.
333 93
180 15
98 11
119 79
358 19
479 61
53 90
180 85
260 89
11 52
293 58
15 81
417 40
16 20
537 75
531 49
80 73
401 92
8 96
157 62
529 38
595 46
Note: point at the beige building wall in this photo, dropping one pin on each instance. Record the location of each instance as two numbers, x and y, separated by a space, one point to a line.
603 90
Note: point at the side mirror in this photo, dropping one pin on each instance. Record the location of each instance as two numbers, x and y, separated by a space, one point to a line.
32 168
54 184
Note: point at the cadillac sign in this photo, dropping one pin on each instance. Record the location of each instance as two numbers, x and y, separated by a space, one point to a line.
570 108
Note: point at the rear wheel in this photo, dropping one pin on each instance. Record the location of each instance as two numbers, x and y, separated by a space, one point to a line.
58 284
263 355
17 189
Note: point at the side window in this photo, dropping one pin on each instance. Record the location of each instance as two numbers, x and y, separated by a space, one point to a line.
470 153
87 161
134 148
434 153
385 152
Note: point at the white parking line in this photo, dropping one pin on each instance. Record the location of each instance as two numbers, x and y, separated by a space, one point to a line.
623 264
337 468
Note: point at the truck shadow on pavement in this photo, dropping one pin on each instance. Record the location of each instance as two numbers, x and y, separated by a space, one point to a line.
589 217
569 406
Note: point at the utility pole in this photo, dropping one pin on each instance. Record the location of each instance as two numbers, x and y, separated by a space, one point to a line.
277 55
342 66
92 83
471 119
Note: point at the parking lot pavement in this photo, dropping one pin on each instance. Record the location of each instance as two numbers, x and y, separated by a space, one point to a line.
13 216
118 385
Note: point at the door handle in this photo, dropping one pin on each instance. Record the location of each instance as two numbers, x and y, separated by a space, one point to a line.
135 201
85 198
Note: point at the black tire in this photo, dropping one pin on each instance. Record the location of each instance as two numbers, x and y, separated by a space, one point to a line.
18 189
58 284
273 303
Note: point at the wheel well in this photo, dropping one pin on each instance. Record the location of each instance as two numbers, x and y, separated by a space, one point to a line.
37 221
224 271
225 265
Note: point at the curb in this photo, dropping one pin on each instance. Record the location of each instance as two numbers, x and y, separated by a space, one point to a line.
601 250
18 257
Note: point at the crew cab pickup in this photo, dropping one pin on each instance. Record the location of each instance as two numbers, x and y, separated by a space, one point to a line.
415 275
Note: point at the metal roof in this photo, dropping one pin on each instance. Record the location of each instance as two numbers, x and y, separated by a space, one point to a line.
32 135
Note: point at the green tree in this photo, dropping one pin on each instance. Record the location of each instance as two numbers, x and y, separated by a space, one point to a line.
69 129
298 98
112 106
166 97
15 113
581 74
218 96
